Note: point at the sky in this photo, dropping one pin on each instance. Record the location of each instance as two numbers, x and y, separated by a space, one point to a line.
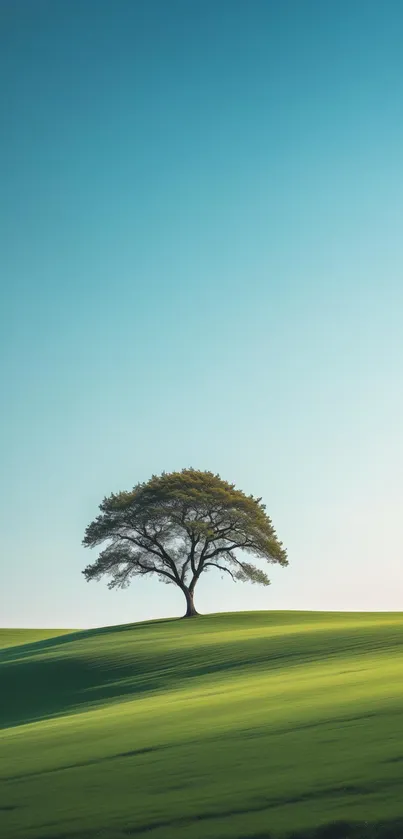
201 264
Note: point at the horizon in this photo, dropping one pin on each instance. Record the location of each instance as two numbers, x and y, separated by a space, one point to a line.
201 263
79 629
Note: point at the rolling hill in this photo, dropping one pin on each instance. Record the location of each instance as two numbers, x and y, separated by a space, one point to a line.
230 726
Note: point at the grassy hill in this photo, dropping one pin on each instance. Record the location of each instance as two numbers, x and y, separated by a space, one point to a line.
14 637
226 727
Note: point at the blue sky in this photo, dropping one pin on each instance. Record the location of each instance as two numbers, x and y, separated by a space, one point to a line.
201 264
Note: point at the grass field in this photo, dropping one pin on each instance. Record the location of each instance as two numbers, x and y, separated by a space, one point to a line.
14 637
225 727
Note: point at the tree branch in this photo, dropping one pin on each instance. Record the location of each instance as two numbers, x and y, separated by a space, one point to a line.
148 550
165 558
221 568
184 568
194 541
162 553
228 549
152 569
220 534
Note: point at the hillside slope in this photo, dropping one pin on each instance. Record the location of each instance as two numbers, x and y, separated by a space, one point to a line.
238 725
16 637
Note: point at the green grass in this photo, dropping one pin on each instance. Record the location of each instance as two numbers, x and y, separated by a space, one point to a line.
225 727
14 637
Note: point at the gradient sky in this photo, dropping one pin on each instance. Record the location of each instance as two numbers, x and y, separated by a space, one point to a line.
201 264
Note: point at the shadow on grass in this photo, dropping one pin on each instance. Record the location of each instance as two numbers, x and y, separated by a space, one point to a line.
336 830
348 830
41 689
39 647
43 679
68 673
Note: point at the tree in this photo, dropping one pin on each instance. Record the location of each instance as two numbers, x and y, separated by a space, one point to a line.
178 526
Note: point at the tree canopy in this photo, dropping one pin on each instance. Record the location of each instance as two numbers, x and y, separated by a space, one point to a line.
179 525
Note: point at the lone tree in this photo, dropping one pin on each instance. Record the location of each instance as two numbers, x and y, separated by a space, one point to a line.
178 526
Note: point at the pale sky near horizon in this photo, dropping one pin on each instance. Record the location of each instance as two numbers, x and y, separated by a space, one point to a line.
201 264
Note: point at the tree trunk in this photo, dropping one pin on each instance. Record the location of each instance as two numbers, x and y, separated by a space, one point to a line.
190 606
